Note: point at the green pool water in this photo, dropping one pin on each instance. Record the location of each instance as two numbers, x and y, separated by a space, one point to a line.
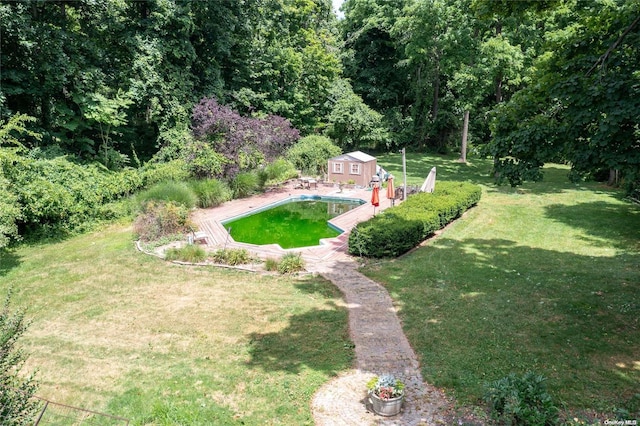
299 222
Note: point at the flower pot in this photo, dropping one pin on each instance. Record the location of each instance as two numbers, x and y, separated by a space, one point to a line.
386 407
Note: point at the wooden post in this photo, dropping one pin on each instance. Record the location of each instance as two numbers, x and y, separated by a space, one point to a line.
465 132
404 171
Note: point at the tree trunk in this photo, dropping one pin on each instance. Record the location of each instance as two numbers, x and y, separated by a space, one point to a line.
436 95
465 131
613 177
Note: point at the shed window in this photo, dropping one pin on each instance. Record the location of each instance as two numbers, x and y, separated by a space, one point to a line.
337 167
355 169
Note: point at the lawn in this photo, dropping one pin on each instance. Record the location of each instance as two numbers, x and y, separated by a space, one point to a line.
543 278
123 333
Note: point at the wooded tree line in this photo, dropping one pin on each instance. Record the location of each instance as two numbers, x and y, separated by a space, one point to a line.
544 80
112 77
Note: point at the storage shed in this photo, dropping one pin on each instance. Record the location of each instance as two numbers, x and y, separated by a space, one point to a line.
355 167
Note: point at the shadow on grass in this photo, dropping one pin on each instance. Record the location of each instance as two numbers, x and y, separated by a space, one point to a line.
617 224
478 310
8 260
317 339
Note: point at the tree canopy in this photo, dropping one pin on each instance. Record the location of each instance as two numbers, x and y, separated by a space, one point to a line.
116 82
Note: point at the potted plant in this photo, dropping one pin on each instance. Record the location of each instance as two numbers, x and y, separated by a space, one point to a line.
386 394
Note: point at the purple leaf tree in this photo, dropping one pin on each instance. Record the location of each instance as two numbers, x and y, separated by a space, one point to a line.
244 141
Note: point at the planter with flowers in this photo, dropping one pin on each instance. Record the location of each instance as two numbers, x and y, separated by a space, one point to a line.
386 394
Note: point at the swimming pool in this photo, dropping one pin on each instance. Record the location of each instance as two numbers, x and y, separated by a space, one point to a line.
294 222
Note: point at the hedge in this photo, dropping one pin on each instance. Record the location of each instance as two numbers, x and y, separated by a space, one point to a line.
399 229
61 194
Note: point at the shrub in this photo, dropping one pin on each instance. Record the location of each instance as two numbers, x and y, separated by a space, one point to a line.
290 263
385 235
271 264
232 257
210 192
160 219
202 160
153 173
277 172
189 253
243 142
244 184
521 400
169 191
401 228
312 153
9 214
58 195
17 407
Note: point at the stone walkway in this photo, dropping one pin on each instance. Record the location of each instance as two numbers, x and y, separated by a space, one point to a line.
381 347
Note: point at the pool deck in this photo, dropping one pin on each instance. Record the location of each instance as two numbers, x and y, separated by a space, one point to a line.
210 220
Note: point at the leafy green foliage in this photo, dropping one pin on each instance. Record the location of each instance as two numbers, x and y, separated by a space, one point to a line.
352 123
278 172
582 105
312 153
10 213
14 130
210 192
159 219
62 194
521 400
153 173
146 63
403 227
202 160
17 406
192 253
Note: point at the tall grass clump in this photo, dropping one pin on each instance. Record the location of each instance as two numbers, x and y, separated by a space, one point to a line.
210 192
277 172
189 253
291 263
244 184
170 191
232 257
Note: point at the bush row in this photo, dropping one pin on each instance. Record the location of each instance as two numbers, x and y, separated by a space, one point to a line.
59 194
399 229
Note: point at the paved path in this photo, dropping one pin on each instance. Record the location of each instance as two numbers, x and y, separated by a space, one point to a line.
381 347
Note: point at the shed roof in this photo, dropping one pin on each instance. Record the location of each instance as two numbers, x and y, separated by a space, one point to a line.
355 155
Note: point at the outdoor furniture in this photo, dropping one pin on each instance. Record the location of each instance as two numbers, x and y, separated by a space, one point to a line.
308 182
200 237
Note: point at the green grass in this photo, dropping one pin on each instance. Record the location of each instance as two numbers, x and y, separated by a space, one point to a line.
127 334
543 278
